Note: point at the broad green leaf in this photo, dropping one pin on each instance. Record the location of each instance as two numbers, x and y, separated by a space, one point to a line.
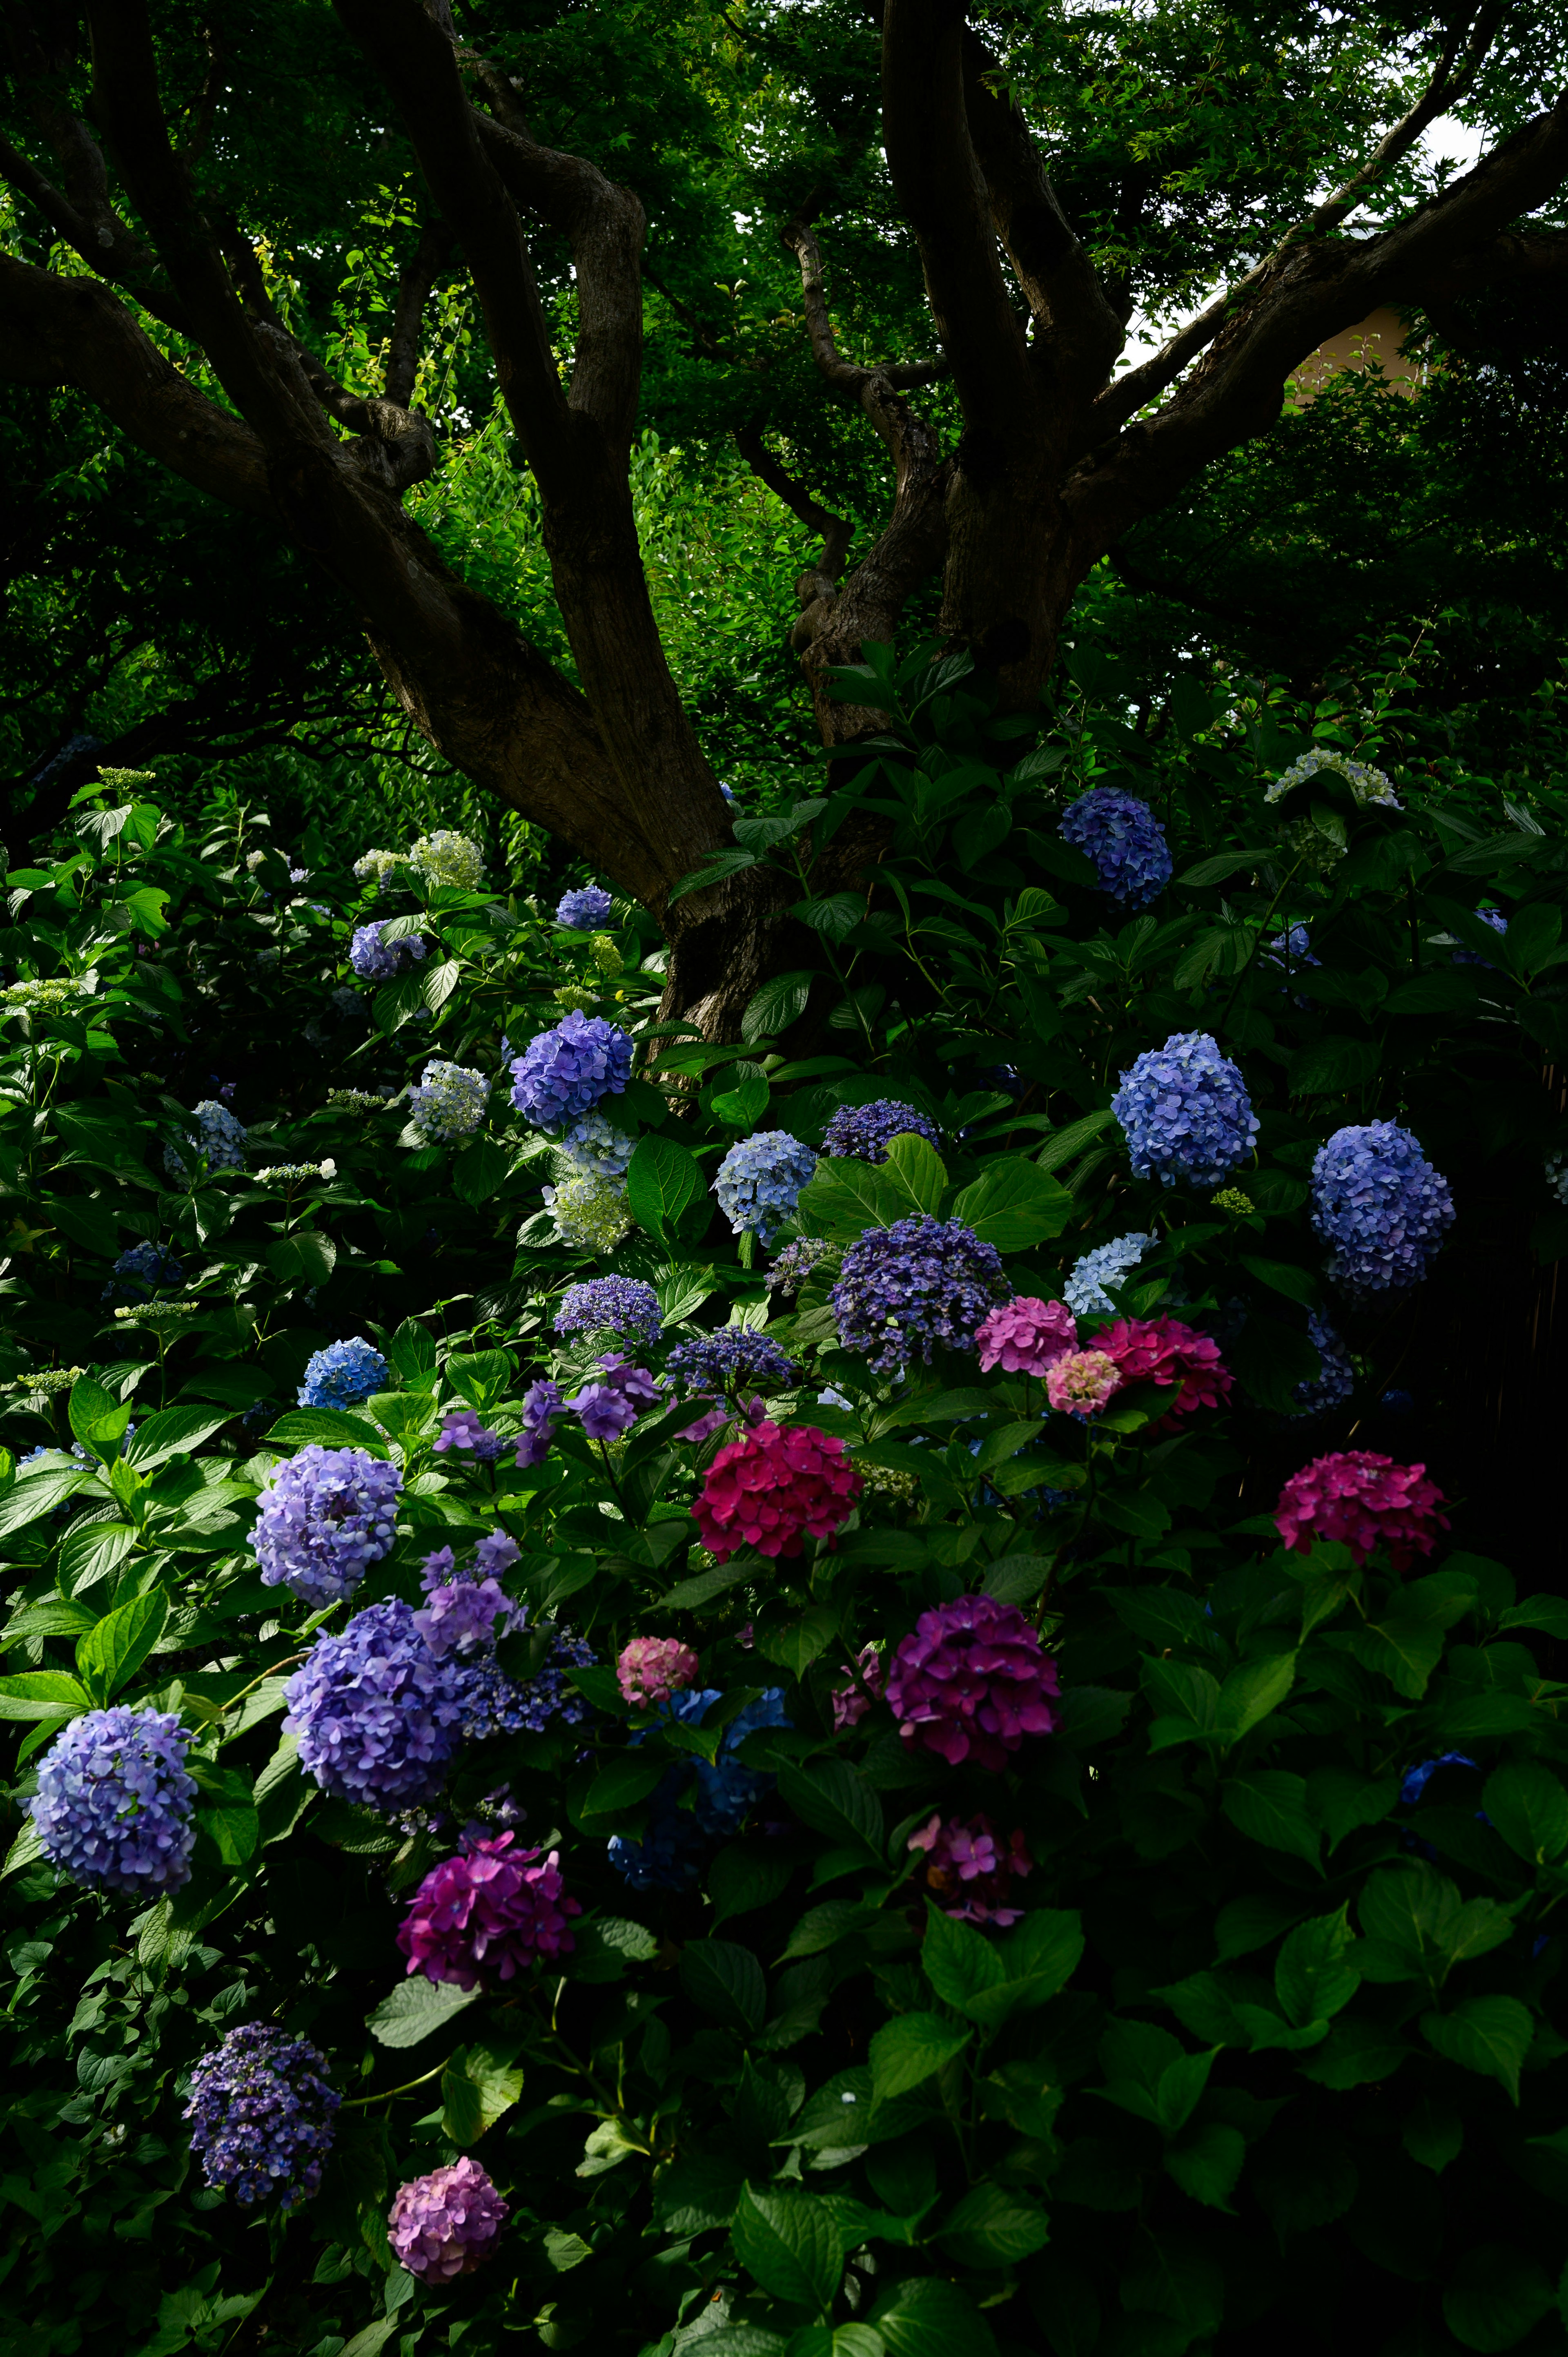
913 1161
790 2243
479 2084
235 1831
991 2227
906 2051
1488 2034
31 1496
306 1258
834 1799
1312 1979
412 1354
415 2008
1253 1691
926 2315
779 1002
172 1429
661 1180
622 1783
1355 2054
1496 2293
89 1551
1036 1960
1206 2163
746 1875
480 1171
1528 1807
332 1427
42 1694
114 1650
1269 1805
844 1198
726 1980
1014 1204
97 1418
798 1643
959 1963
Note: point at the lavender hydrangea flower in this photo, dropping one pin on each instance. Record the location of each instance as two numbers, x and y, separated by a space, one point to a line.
449 1102
343 1375
461 1429
1184 1112
735 1358
1379 1203
580 911
1336 1377
611 1402
461 1615
113 1803
564 1072
865 1131
1125 842
907 1288
374 960
264 2112
542 1408
1106 1265
613 1305
326 1516
594 1149
139 1273
378 1714
759 1178
444 2225
495 1703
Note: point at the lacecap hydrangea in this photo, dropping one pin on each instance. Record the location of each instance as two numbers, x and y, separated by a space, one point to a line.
449 1102
1125 842
263 2111
343 1375
326 1516
908 1289
114 1807
1184 1112
566 1071
759 1181
1378 1202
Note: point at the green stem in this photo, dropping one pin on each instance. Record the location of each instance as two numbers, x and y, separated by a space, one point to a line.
355 2102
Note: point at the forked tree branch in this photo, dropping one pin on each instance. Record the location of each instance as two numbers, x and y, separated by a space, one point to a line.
416 279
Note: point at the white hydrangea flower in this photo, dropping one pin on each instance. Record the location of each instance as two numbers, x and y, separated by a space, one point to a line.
1367 785
592 1213
447 858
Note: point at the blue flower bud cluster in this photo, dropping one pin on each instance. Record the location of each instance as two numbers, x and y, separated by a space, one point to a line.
670 1856
1084 1291
580 911
759 1180
1126 841
449 1102
1184 1112
139 1273
733 1358
564 1072
374 960
263 2111
113 1803
610 1305
864 1131
326 1516
1336 1377
1379 1203
343 1375
907 1288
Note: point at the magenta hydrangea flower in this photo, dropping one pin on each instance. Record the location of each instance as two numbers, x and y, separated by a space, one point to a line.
772 1486
964 1862
1364 1501
1163 1351
444 2225
851 1702
488 1910
651 1669
971 1681
1025 1336
1082 1382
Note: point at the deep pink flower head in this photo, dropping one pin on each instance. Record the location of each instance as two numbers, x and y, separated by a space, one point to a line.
651 1669
444 2224
1024 1335
963 1863
771 1486
488 1909
851 1702
1163 1351
970 1682
1080 1381
1364 1501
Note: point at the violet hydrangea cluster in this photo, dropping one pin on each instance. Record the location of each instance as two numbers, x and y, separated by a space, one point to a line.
1378 1202
461 1614
490 1912
343 1375
611 1401
326 1516
578 912
1336 1377
730 1360
865 1131
796 1262
263 2111
377 1713
613 1305
374 960
968 1871
908 1289
760 1180
444 2225
971 1681
1184 1112
566 1071
464 1430
1125 842
113 1805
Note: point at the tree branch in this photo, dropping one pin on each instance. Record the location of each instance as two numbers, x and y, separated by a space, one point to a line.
414 281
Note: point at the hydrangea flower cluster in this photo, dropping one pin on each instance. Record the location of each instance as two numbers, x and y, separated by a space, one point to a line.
725 1793
581 910
1379 1203
448 858
449 1102
1080 1381
1162 1350
611 1401
564 1072
730 1360
218 1138
759 1180
1364 1501
964 1862
594 1149
969 1682
1025 1336
1124 840
1498 923
353 1101
542 1408
613 1304
865 1131
139 1273
1106 1265
1556 1168
590 1214
326 1516
462 1428
907 1288
651 1669
460 1615
771 1487
851 1702
1367 785
494 1704
113 1805
378 1714
343 1375
1336 1377
294 1174
1184 1112
380 864
444 2225
262 2110
796 1262
604 955
490 1910
374 960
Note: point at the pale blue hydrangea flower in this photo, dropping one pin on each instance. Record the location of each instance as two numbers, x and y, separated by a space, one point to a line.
343 1375
1084 1291
594 1149
449 1102
759 1180
1557 1175
1184 1112
217 1139
592 1214
1379 1203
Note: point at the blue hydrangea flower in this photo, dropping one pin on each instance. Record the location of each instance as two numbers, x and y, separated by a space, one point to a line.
1184 1112
494 1704
795 1264
1084 1291
564 1072
343 1375
1379 1203
139 1273
1336 1377
1126 841
218 1138
1498 923
734 1358
864 1131
671 1853
263 2111
378 1714
610 1305
326 1516
594 1149
113 1805
759 1180
906 1288
449 1102
726 1792
1418 1778
581 910
374 960
1556 1169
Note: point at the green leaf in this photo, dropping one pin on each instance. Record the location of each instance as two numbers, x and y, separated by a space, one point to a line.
959 1963
779 1002
1355 2054
790 2243
622 1783
1495 2295
913 1161
416 2008
1284 1276
993 2227
834 1799
89 1551
1269 1805
235 1832
412 1354
97 1418
1253 1691
726 1980
1207 2161
1312 1979
844 1198
480 1171
712 871
1433 2135
926 2316
333 1427
1330 1066
172 1429
746 1875
42 1694
906 2051
1488 2034
479 2084
1528 1807
1037 1960
1014 1204
661 1180
31 1496
114 1650
798 1643
744 1106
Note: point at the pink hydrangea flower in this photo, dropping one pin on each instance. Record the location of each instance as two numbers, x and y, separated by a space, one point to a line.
1163 1351
1025 1336
489 1909
963 1862
1364 1501
1082 1382
442 2225
650 1669
851 1702
971 1681
768 1489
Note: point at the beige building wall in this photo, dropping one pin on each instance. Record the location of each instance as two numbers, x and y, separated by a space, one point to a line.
1376 342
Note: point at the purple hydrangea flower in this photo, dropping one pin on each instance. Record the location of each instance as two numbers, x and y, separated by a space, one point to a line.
564 1072
542 1408
489 1910
326 1516
1379 1203
113 1805
611 1403
378 1714
460 1615
906 1288
262 2110
1124 840
1336 1377
1498 923
971 1681
1184 1112
374 960
581 910
733 1359
618 1305
461 1429
343 1375
865 1131
495 1703
759 1178
444 2225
